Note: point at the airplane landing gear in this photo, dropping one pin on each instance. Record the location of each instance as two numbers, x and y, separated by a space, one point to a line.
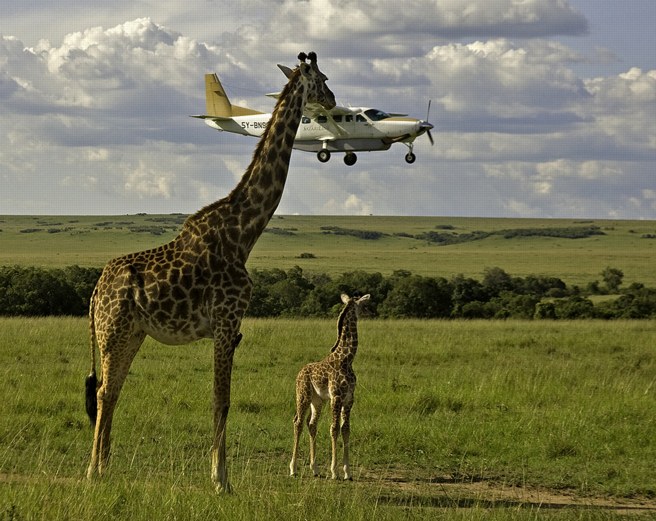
323 156
350 158
410 157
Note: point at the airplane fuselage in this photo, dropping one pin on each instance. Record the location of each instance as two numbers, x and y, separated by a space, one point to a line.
338 133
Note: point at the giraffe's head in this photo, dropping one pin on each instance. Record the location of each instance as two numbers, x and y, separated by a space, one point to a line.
354 303
317 90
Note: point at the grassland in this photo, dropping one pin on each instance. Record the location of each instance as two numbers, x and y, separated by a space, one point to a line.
453 420
90 241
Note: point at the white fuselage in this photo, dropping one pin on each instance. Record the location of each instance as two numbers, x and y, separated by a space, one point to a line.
361 129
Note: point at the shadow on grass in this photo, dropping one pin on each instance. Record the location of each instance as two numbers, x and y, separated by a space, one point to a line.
448 501
468 493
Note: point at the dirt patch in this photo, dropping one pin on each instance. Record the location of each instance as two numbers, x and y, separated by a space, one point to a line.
406 490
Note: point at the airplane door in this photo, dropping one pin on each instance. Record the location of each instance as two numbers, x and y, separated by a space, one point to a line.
363 127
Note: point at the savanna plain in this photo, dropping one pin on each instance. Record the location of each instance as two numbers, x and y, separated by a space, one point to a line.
452 419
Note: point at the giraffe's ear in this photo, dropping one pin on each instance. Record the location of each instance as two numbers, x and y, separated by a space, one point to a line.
345 298
363 298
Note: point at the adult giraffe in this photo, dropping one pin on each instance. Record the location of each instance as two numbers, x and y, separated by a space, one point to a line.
197 285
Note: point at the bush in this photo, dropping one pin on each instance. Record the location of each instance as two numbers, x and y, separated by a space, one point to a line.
418 297
31 291
574 307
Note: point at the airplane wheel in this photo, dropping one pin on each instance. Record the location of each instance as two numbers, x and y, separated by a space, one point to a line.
350 159
323 156
410 158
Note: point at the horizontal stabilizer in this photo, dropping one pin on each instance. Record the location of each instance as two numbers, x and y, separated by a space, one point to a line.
214 118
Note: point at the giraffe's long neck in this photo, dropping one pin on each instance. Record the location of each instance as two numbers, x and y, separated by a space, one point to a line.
261 188
242 216
347 342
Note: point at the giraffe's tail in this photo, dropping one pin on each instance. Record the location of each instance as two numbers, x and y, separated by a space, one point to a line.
91 381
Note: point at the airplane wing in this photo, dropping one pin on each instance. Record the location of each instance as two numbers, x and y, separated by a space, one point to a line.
313 110
340 111
216 118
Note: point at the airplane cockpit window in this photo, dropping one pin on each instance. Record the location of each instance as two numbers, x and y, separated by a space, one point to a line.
376 115
360 118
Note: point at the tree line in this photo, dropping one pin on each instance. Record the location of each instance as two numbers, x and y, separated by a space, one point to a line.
32 291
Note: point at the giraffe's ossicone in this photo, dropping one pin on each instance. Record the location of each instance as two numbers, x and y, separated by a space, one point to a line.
196 286
330 380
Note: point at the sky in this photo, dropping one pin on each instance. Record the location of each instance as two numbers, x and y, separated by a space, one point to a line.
541 108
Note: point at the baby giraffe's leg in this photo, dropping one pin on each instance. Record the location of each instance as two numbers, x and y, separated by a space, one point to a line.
346 431
315 406
302 404
336 406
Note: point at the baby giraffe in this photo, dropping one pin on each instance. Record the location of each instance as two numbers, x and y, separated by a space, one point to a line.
331 379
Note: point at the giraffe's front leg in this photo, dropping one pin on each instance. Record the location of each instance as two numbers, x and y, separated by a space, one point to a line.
223 354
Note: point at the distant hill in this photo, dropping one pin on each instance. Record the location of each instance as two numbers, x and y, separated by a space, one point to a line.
574 250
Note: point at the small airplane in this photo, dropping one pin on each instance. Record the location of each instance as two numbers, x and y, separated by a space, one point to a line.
341 129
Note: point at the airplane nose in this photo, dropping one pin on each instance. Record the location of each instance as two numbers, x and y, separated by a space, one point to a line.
425 126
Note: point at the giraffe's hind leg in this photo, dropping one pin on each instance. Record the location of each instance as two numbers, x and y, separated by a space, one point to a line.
336 406
346 431
116 359
313 423
302 405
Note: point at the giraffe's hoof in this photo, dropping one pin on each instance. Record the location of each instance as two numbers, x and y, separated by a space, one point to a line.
223 488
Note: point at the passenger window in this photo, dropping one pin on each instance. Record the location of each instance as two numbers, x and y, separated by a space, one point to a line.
349 119
360 119
322 119
337 119
305 120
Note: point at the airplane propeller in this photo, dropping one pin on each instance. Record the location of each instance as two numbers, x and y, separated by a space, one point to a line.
426 125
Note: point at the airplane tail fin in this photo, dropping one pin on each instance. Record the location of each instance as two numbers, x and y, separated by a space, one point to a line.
217 102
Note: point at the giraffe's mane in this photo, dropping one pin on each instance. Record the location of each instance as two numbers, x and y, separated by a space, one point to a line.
256 154
291 83
340 326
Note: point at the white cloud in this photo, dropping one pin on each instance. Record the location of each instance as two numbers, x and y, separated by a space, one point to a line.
149 182
392 28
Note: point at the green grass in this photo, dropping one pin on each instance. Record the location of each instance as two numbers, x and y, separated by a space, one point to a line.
91 241
449 417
